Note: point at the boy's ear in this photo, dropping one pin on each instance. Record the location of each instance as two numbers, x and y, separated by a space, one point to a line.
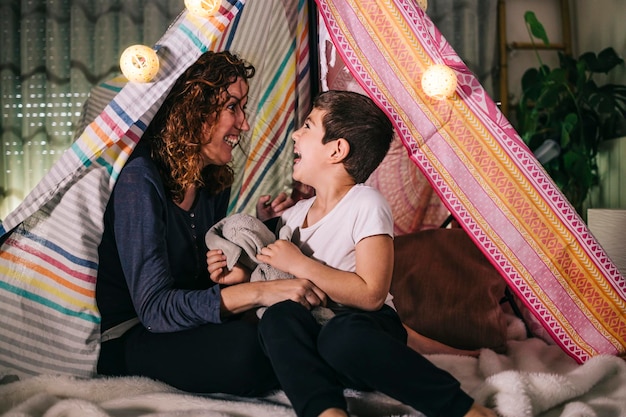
341 150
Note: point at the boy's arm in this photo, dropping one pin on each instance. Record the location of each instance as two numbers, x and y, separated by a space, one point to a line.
366 288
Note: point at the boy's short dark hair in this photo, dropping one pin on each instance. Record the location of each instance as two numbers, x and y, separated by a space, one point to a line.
357 119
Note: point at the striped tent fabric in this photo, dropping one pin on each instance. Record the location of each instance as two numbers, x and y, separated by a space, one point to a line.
273 35
485 174
48 259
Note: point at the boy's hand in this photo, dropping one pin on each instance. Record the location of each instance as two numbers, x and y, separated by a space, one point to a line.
266 208
281 254
216 261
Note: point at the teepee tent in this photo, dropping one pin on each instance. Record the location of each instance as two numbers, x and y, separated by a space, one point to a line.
486 176
469 152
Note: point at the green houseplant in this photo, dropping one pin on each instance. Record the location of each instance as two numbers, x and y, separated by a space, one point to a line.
563 107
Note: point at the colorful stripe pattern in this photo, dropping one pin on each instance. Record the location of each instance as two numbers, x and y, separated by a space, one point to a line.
48 263
274 36
485 175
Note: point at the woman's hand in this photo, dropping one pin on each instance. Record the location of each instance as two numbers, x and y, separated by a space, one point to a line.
299 290
266 209
216 261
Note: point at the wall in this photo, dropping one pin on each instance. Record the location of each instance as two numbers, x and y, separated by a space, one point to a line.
600 24
611 193
519 60
595 25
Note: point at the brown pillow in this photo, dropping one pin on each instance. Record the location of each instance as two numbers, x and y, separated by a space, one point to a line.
446 289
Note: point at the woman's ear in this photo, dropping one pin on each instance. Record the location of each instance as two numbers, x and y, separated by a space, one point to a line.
341 150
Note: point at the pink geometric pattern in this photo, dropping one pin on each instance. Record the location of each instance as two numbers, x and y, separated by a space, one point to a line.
485 174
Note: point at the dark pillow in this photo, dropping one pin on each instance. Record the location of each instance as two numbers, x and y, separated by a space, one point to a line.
446 289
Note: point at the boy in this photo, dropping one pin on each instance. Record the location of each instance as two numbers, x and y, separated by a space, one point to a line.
343 243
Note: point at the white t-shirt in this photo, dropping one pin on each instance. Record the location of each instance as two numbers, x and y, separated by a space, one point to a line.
332 240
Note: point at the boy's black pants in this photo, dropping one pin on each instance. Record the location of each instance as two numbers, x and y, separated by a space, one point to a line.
355 349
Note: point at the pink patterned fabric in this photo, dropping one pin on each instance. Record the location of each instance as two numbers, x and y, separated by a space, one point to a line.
414 204
485 174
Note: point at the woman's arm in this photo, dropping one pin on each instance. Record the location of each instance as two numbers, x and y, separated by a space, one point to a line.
139 220
239 295
242 297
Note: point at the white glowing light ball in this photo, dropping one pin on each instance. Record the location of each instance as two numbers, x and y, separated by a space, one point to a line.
139 63
423 4
203 8
439 82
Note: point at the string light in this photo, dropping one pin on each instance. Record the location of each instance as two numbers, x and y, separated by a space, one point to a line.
439 82
203 8
139 63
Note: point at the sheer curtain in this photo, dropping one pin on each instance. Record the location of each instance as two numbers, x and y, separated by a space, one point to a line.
471 27
52 53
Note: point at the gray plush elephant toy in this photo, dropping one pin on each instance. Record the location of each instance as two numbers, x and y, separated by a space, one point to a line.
241 237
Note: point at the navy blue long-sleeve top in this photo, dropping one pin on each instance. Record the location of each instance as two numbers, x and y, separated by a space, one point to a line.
152 258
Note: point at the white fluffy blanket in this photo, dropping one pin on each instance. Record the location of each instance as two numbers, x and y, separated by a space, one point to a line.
532 379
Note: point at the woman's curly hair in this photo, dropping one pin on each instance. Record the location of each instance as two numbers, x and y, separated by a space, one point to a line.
176 132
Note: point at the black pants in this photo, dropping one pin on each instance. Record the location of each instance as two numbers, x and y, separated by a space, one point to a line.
224 358
356 349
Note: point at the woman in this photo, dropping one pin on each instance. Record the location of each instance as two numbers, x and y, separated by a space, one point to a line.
162 315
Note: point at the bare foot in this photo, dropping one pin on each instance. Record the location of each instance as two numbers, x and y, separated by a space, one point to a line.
478 410
334 412
426 345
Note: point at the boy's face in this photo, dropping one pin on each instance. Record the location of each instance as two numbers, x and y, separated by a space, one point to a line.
309 152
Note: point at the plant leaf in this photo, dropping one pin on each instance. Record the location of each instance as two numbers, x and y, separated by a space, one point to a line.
571 120
536 28
531 79
606 61
557 76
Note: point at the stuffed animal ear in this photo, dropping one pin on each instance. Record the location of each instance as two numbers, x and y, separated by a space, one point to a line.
248 233
285 233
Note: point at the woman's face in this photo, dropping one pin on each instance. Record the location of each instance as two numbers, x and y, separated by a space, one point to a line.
222 133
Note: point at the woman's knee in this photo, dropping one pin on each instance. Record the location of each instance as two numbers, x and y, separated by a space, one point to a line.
244 367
